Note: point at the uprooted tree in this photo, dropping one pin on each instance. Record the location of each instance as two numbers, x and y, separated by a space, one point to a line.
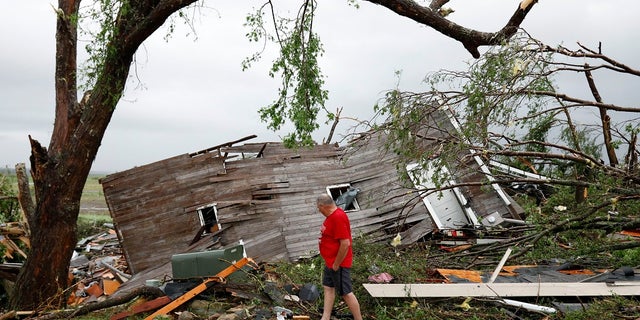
510 112
60 170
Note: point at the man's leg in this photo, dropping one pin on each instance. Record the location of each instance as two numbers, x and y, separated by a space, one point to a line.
329 298
329 284
353 304
347 293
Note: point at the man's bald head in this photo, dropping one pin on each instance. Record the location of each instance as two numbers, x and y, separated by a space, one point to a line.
325 200
326 205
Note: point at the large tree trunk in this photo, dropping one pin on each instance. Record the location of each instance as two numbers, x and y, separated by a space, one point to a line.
44 276
60 172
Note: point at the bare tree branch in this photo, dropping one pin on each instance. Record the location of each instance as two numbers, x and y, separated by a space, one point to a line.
470 39
582 102
334 125
591 54
604 118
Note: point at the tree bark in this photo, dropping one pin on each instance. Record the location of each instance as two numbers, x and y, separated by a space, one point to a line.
631 159
24 195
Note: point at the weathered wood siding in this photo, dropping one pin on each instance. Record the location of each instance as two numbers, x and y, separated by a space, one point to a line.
268 202
148 204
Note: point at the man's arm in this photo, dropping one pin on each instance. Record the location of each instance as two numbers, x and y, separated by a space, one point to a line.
342 253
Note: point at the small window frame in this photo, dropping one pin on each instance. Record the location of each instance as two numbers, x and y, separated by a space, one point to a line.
205 213
336 190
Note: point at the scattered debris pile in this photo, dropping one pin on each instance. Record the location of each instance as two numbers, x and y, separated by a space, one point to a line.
527 282
10 233
97 268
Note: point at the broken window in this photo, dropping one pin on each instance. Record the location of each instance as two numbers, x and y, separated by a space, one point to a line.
449 208
345 196
209 218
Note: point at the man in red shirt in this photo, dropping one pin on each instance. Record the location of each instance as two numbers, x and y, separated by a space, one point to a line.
335 249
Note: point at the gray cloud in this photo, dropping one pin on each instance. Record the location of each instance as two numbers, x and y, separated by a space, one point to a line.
189 94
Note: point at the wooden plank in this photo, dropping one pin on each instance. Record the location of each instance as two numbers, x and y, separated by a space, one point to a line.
542 289
144 307
227 144
495 273
417 231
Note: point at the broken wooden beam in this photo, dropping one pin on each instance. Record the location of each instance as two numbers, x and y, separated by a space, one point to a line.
496 272
227 144
24 196
143 307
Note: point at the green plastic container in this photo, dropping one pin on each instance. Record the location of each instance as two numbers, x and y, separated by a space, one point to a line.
206 263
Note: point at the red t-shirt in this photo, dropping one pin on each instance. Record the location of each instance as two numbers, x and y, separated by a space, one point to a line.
335 227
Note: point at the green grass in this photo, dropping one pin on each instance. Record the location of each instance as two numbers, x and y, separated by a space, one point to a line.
92 200
92 191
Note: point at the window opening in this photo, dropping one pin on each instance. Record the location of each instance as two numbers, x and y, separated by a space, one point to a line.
345 196
208 216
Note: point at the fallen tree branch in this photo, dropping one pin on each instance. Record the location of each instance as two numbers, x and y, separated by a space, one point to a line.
525 243
616 247
152 292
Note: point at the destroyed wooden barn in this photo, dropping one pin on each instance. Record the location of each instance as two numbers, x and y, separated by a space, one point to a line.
264 195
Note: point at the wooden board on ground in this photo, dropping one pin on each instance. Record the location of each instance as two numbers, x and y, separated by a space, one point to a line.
543 289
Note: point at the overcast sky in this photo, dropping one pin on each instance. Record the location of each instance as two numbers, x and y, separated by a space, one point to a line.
191 93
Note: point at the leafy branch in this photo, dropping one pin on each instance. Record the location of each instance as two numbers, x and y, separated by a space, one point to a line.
301 95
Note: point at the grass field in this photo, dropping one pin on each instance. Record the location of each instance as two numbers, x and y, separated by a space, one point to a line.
93 207
93 201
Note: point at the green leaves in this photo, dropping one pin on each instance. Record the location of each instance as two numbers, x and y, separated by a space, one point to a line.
8 200
497 87
102 16
301 94
505 108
